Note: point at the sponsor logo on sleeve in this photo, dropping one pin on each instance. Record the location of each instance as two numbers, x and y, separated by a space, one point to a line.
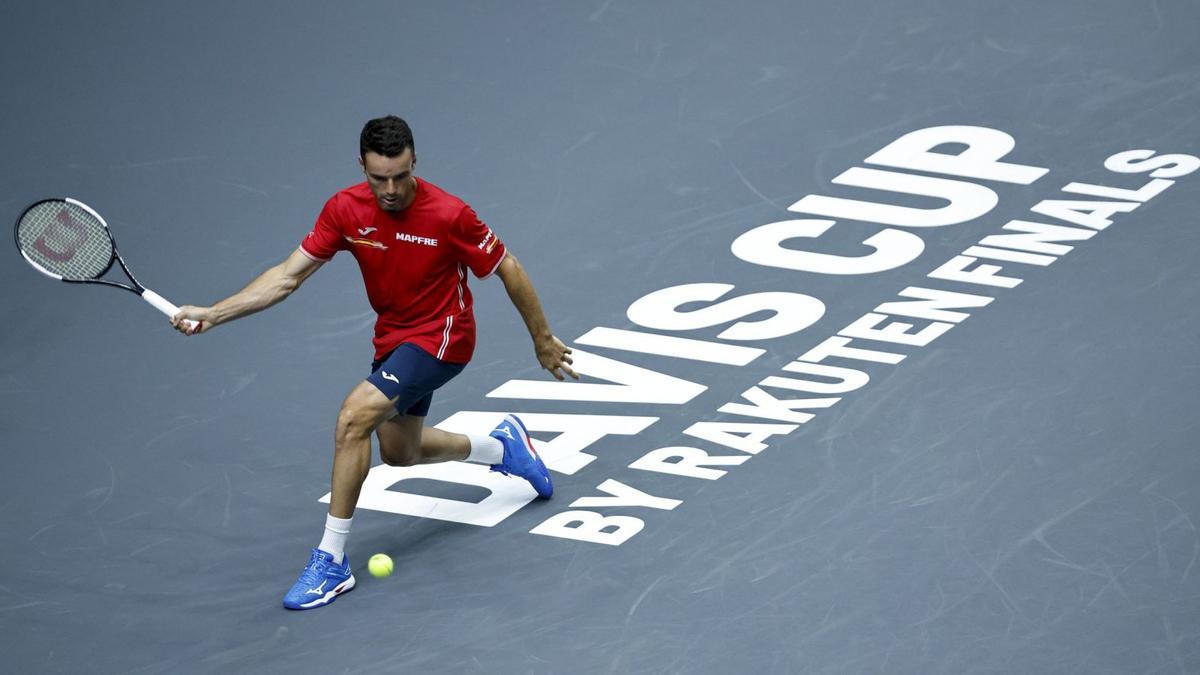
489 242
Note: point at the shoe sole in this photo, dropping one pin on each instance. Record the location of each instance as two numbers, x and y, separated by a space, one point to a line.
344 587
537 459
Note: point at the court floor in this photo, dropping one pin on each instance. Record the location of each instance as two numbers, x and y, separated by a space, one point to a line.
888 335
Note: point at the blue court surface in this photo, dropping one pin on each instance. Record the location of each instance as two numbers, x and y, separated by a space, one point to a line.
886 314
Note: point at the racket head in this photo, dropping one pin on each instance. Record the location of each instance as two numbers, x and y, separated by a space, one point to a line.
65 239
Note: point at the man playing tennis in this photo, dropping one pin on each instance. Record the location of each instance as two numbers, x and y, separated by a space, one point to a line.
414 243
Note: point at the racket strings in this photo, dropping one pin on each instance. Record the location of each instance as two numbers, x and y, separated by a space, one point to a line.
65 239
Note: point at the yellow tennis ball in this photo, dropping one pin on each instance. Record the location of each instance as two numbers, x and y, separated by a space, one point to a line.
380 565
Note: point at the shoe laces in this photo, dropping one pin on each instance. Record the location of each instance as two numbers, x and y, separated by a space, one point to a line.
315 569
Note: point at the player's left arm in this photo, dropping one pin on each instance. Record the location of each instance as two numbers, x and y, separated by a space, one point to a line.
551 352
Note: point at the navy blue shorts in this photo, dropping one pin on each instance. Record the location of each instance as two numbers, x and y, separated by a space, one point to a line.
409 375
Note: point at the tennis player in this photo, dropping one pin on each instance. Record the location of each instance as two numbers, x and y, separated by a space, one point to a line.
414 243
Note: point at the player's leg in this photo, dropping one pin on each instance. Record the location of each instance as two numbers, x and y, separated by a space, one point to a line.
364 409
328 573
409 376
412 376
404 440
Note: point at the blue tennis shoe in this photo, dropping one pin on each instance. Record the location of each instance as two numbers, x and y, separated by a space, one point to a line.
520 459
321 581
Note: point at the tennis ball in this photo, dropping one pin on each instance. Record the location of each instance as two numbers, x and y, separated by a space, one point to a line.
380 565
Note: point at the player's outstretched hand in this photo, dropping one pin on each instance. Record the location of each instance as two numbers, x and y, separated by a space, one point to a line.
554 355
201 315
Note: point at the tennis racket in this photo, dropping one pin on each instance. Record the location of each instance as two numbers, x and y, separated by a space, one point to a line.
66 240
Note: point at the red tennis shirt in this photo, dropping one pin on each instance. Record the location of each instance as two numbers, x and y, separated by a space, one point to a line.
414 263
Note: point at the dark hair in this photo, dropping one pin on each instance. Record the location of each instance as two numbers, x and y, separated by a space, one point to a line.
388 136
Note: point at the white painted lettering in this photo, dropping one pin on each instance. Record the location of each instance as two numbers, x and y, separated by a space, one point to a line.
955 269
1009 256
932 303
591 527
966 201
763 245
623 495
766 406
838 346
844 379
1145 193
687 462
980 159
1141 161
865 327
1096 215
1037 236
380 493
564 453
791 312
745 436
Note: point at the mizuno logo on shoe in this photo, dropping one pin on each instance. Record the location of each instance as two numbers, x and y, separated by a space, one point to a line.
388 376
318 590
507 432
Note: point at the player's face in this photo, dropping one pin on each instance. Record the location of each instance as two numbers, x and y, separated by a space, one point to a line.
391 179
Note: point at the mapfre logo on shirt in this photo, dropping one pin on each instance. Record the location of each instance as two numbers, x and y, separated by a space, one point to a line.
413 239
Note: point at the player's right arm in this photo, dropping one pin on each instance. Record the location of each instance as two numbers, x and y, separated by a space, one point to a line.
268 289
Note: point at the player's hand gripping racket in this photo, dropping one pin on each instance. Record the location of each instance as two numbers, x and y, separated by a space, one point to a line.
66 240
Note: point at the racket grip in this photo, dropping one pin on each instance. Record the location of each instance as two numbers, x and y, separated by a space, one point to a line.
165 306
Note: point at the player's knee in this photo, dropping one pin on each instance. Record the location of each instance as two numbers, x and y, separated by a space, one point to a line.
354 422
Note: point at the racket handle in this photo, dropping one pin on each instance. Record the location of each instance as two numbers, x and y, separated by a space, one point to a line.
165 306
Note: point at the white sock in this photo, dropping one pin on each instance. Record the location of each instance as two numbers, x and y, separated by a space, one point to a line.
334 541
485 450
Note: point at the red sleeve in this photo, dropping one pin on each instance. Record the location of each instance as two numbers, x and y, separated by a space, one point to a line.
476 244
326 237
